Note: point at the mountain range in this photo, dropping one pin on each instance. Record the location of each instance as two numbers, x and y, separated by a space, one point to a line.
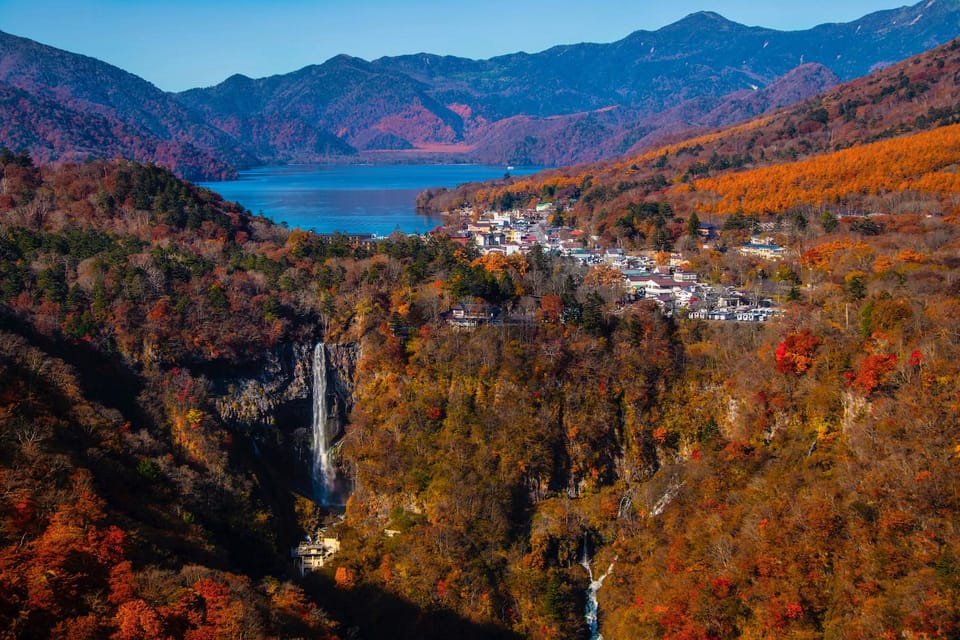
849 123
567 104
167 361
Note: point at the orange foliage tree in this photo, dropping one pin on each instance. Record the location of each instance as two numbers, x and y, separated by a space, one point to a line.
919 162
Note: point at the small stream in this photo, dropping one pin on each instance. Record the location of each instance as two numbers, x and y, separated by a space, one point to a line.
592 613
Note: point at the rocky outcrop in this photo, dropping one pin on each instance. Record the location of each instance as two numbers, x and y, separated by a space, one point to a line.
341 375
253 402
279 394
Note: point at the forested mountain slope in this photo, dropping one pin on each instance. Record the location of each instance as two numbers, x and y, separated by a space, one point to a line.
152 353
794 478
797 477
125 511
64 106
834 151
570 103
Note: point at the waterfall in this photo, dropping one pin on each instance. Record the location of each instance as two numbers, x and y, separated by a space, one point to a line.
593 605
322 472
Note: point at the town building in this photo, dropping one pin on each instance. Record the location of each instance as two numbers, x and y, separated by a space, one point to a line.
311 555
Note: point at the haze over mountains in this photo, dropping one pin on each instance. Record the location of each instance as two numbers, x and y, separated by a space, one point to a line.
568 104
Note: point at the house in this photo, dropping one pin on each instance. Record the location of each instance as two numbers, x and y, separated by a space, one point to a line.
492 239
574 250
544 207
763 248
729 301
707 231
613 256
514 236
752 315
720 314
634 282
480 227
683 296
712 314
470 316
654 286
311 555
676 259
462 239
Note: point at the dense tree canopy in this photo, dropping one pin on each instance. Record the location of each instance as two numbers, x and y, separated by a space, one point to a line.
796 478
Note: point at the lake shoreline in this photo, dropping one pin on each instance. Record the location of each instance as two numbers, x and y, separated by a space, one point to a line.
353 199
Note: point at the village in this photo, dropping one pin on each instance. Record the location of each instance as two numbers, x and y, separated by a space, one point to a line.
644 275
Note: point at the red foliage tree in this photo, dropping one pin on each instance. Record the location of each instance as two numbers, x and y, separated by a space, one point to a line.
795 354
873 372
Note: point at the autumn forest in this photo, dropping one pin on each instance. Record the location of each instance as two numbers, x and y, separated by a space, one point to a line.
798 478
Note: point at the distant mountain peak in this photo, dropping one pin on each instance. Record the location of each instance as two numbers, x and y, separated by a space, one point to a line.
705 15
700 19
344 58
570 103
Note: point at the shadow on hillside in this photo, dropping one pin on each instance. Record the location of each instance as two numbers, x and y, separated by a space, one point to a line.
375 614
365 611
104 378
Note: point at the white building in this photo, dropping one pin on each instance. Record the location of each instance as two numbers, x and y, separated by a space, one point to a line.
492 239
544 207
763 248
311 555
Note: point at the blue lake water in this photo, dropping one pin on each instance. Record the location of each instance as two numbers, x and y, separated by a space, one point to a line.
350 198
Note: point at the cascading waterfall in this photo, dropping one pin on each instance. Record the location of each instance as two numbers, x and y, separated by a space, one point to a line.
593 605
323 472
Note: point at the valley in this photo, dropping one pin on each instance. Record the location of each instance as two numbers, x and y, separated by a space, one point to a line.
702 386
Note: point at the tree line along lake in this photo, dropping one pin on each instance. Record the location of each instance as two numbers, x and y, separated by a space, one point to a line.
354 199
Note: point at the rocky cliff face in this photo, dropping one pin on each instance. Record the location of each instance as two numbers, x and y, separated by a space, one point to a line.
274 406
341 374
279 396
253 402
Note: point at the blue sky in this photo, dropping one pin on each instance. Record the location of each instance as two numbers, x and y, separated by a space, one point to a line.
179 44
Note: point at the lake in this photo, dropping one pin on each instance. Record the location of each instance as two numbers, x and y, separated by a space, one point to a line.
350 198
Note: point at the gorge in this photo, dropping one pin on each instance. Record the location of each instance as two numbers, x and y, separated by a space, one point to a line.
187 389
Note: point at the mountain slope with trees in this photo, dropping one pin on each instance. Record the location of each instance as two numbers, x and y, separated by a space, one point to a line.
126 511
139 316
791 478
75 107
794 478
855 125
570 103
